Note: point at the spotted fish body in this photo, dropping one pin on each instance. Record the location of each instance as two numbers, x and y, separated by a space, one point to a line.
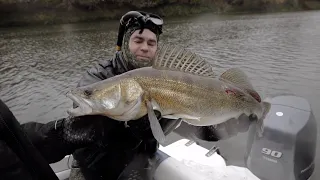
179 85
198 100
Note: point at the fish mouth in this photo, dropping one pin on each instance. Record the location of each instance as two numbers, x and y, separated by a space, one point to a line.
82 108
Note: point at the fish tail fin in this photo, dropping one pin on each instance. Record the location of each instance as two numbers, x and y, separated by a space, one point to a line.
266 108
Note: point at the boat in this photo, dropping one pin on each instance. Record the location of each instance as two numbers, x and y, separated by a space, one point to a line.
286 150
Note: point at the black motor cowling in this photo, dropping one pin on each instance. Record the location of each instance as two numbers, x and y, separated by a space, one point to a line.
287 148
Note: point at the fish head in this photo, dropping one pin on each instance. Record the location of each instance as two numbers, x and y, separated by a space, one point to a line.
94 100
116 99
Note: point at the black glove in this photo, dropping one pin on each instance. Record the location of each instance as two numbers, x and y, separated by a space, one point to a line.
84 130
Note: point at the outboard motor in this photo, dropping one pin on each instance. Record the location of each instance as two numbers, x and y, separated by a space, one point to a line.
286 150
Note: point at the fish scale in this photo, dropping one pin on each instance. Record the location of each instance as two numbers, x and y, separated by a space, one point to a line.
174 94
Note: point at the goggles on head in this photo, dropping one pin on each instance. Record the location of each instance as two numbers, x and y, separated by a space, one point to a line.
141 19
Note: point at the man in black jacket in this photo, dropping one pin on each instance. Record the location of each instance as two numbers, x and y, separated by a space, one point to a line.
103 147
109 156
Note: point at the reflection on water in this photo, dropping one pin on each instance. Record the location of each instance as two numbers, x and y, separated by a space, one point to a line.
279 52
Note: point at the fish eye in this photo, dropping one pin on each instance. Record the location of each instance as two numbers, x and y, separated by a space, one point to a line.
87 92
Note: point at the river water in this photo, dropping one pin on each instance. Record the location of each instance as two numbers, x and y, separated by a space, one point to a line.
279 52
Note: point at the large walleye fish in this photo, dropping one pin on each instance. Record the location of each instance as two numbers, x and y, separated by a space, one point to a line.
180 84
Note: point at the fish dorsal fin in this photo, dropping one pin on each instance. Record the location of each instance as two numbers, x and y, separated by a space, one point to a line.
237 77
170 57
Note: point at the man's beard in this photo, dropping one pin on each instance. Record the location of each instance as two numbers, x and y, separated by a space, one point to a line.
133 61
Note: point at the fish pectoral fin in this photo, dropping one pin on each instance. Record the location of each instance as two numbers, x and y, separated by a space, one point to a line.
155 105
155 125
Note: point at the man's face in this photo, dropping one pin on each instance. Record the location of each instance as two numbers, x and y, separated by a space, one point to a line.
144 45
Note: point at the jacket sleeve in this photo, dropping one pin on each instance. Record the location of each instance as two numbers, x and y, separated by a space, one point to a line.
11 167
47 138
